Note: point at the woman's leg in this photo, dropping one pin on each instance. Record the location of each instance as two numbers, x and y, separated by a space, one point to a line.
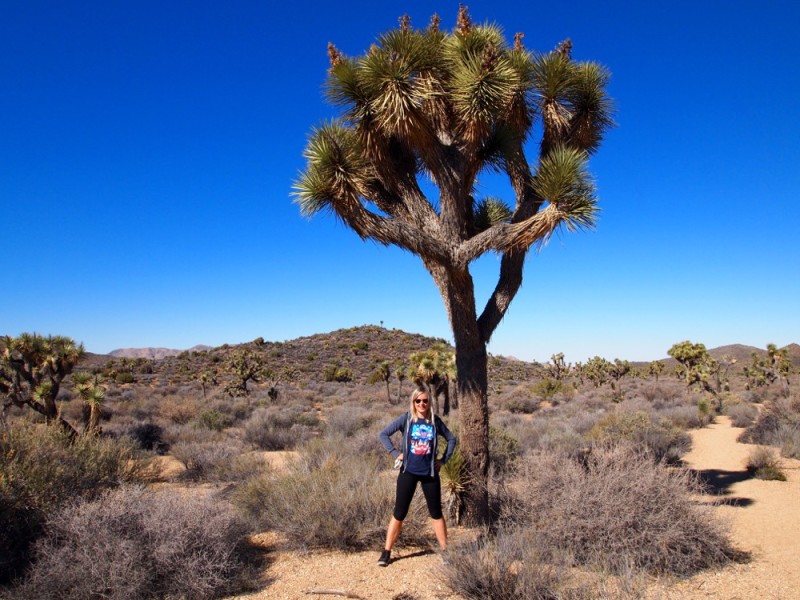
406 486
432 489
392 533
440 529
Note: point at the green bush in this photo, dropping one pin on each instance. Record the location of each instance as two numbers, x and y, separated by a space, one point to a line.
337 373
214 420
125 377
547 388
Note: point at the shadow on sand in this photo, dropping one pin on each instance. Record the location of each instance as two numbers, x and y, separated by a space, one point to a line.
718 483
412 555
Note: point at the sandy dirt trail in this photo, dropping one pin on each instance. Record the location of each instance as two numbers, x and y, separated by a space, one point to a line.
764 519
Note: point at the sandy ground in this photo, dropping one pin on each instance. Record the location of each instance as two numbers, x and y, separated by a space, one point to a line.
764 519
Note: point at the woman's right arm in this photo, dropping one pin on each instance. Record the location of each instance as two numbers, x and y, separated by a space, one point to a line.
390 429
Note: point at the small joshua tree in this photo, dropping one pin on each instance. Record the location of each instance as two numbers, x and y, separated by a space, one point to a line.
382 373
32 369
655 368
775 367
698 367
597 371
244 365
557 368
89 391
435 368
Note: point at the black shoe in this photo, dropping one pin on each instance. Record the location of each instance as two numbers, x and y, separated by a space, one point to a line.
384 560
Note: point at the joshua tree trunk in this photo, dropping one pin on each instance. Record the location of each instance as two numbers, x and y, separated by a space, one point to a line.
472 382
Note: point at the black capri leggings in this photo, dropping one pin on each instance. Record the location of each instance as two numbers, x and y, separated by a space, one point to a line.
407 485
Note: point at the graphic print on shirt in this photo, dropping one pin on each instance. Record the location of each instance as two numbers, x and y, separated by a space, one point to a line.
421 438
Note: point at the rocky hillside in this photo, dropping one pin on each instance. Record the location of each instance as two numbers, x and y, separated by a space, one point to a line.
358 350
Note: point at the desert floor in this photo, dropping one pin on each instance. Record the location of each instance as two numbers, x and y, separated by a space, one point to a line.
763 516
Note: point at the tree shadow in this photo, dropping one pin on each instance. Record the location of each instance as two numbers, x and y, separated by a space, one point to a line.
718 483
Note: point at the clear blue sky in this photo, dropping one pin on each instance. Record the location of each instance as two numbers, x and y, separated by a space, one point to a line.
148 149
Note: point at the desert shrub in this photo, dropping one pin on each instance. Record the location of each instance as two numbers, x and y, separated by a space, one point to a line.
177 409
620 510
328 500
274 429
508 567
126 395
777 425
552 435
125 377
661 394
337 373
741 414
366 443
789 439
210 460
135 544
664 442
522 405
503 448
149 436
214 420
40 469
763 463
685 417
348 420
547 388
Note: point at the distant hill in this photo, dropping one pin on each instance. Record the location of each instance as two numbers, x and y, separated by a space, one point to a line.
358 349
153 353
743 354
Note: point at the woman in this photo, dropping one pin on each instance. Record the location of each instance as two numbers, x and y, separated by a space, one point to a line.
418 464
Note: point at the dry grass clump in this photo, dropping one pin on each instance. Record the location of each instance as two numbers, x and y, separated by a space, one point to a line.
135 544
742 414
209 460
619 510
279 429
763 463
328 499
347 420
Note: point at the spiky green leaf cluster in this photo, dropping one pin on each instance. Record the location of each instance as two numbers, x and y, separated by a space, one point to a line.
490 211
336 168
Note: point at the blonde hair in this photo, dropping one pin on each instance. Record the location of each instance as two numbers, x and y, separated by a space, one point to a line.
415 414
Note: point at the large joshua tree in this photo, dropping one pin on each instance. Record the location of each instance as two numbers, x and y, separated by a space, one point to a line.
450 106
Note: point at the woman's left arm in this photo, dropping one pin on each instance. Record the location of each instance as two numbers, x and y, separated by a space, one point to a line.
451 440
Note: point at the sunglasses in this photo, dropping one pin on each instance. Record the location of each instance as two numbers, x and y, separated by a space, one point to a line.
421 401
